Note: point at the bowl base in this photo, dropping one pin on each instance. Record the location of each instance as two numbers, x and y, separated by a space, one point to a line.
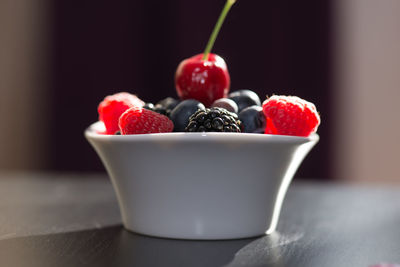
193 237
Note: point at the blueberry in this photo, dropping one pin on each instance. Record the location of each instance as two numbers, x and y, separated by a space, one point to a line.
227 104
245 98
166 105
181 113
160 109
149 106
253 119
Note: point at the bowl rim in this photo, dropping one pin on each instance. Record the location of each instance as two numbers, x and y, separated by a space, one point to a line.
92 133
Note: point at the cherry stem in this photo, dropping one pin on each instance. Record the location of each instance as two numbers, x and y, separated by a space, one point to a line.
217 27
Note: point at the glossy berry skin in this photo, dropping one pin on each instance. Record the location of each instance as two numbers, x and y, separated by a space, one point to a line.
111 108
245 98
227 104
168 103
149 106
203 80
290 115
253 119
181 113
138 120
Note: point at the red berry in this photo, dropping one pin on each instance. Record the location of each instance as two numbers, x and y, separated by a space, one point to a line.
203 80
270 128
290 115
111 108
138 120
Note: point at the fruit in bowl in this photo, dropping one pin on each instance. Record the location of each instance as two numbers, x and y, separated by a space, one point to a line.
278 114
209 165
223 177
203 79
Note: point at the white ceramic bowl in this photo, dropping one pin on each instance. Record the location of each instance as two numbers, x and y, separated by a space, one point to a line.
200 185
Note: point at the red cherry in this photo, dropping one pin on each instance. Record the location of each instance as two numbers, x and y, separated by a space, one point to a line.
205 77
205 80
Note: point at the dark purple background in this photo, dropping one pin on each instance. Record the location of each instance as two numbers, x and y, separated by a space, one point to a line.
102 47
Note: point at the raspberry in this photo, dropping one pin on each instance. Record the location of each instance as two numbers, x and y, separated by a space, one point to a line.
138 120
111 108
290 115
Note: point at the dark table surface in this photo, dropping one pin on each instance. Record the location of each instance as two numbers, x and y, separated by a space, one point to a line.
73 220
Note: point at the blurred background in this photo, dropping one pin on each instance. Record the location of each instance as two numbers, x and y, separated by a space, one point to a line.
59 59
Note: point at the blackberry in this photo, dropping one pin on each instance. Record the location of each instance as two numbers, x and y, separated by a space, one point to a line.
213 120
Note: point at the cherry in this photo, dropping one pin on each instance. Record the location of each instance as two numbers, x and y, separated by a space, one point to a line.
205 77
203 80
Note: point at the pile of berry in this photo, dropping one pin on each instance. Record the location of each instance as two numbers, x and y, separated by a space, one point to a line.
203 81
240 111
